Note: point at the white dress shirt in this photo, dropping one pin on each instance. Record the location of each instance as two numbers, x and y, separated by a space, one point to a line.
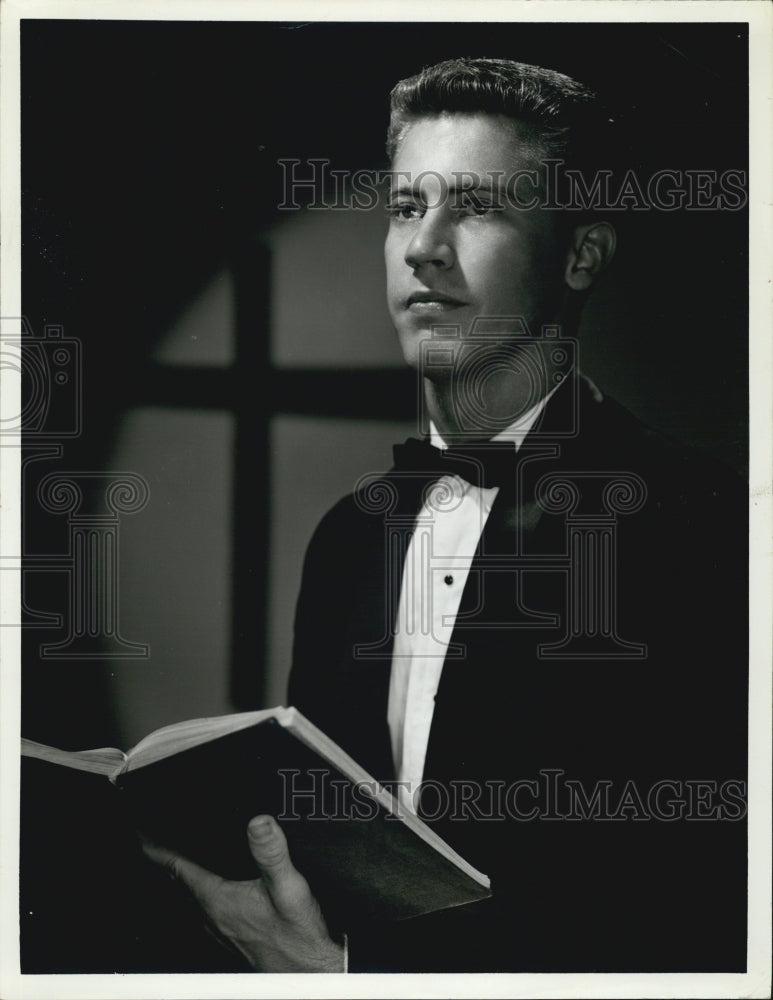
437 564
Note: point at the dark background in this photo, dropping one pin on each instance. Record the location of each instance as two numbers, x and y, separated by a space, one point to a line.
149 168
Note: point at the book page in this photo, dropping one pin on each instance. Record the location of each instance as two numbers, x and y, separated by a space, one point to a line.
107 760
182 736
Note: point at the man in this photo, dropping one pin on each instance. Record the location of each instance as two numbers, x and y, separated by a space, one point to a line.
544 618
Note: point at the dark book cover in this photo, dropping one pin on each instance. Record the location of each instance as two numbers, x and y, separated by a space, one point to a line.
360 860
89 900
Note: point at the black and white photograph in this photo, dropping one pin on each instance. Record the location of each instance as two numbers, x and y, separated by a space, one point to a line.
386 499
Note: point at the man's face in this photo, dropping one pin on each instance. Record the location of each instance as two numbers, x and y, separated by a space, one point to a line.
452 258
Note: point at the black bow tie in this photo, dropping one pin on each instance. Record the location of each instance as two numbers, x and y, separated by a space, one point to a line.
489 464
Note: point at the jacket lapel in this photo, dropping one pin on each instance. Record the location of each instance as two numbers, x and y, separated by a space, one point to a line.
507 611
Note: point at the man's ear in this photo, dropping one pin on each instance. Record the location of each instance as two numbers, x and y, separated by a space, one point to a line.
593 247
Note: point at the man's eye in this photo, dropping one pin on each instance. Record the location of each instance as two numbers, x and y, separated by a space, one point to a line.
404 211
470 205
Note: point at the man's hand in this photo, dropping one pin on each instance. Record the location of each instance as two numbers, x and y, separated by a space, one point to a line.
274 920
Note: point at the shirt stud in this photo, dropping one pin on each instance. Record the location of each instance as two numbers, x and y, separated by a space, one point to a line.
448 579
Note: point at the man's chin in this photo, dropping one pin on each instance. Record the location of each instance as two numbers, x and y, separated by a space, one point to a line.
430 355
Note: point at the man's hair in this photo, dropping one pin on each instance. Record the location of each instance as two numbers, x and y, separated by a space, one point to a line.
559 117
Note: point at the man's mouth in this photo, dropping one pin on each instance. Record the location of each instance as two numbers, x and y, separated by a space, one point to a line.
430 301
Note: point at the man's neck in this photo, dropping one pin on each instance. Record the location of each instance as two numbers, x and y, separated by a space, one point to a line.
463 413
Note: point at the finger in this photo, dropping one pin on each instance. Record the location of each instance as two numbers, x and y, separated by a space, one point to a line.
287 888
269 849
199 882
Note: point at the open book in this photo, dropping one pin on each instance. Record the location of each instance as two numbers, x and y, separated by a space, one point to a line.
194 786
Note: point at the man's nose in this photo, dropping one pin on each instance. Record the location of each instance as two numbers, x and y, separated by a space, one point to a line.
432 242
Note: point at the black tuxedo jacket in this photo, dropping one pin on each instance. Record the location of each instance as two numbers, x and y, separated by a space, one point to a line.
646 708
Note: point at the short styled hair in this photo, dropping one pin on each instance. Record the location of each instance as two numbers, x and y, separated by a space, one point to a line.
561 117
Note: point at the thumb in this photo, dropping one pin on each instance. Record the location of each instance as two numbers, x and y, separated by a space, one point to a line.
268 846
287 888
